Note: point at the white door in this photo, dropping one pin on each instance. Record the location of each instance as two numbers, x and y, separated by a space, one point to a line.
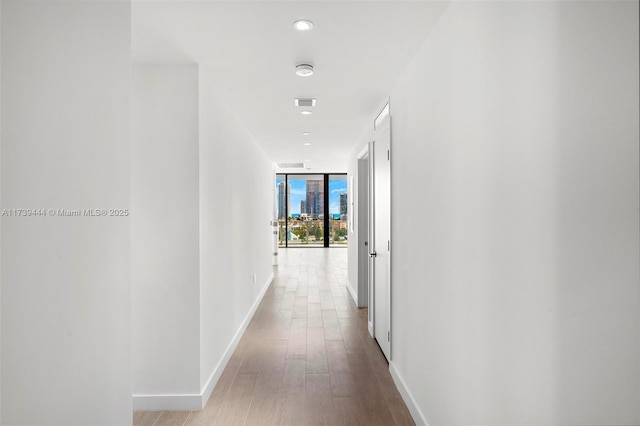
380 239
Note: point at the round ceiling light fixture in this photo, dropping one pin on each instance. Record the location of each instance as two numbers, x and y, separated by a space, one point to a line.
305 112
307 143
303 25
305 133
304 70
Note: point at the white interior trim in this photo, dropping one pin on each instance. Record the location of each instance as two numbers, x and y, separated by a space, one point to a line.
416 413
364 152
383 115
183 402
353 294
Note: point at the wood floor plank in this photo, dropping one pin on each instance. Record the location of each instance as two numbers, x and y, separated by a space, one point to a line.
343 385
294 378
227 377
300 305
290 411
172 418
351 338
347 412
313 294
314 315
372 400
337 357
289 299
316 351
297 344
326 299
238 401
263 410
398 408
205 417
331 325
268 383
400 413
145 418
319 401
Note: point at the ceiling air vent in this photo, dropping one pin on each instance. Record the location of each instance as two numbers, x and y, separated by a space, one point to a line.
305 102
290 165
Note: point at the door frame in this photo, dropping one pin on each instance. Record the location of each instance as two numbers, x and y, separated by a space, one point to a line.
362 223
382 127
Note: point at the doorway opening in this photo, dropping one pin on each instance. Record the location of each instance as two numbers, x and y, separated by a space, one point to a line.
363 234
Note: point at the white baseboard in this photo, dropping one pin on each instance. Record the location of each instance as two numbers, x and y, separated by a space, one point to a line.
185 402
353 294
416 413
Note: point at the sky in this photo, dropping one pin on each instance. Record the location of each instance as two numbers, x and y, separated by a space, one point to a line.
299 193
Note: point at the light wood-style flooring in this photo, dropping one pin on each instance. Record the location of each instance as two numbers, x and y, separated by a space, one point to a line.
305 359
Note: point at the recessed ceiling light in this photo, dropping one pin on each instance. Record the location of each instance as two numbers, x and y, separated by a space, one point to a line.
305 133
305 112
307 143
303 25
304 70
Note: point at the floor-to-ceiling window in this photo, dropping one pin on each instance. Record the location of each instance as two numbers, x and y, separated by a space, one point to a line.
283 194
312 210
338 210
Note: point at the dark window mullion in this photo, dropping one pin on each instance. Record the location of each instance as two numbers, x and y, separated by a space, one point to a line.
326 210
286 211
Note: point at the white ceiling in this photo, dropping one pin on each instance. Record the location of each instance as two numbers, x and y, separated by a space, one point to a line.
249 50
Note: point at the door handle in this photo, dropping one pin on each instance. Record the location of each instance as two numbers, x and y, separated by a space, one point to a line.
373 254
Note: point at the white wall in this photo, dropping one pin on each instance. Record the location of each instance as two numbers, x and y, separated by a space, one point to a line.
66 351
236 207
165 236
202 197
516 294
352 247
356 269
0 206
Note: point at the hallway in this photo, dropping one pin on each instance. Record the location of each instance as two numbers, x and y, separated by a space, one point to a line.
305 359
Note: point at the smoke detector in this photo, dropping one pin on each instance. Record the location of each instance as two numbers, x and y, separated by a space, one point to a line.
304 70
